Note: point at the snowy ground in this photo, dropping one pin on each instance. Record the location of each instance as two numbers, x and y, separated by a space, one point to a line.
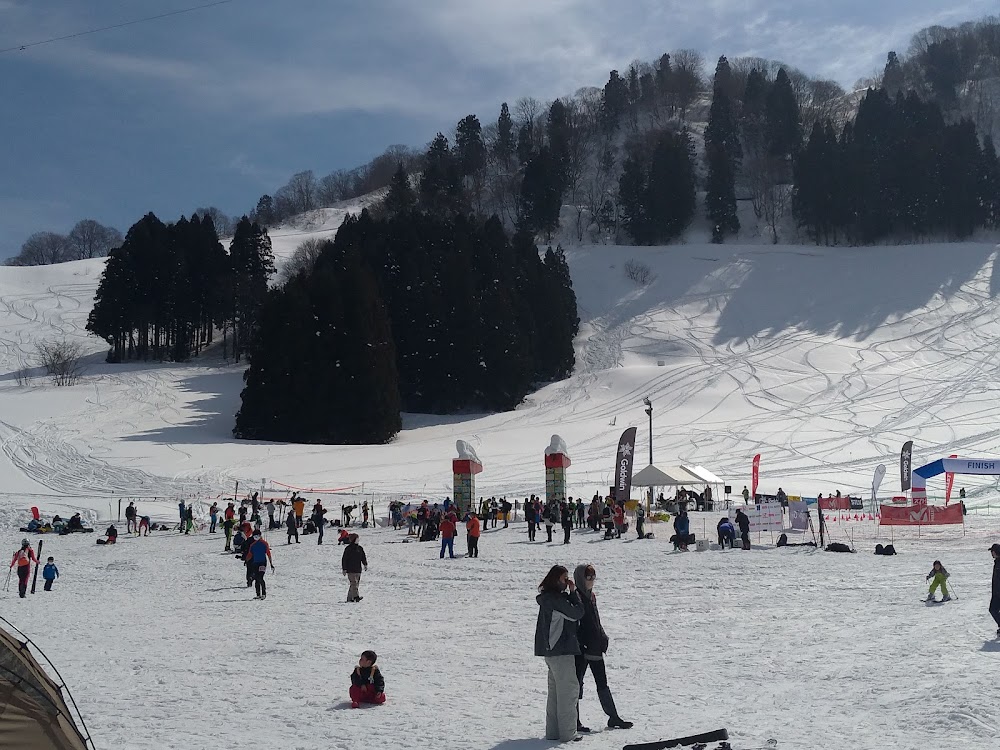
165 648
824 360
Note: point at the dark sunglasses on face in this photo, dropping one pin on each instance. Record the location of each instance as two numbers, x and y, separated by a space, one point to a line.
591 576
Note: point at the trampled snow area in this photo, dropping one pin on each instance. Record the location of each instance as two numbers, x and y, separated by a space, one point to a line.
824 360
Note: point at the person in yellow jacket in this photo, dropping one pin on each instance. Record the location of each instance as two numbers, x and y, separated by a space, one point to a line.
299 508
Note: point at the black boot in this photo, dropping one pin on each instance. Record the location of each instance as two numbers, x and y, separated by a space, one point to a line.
616 722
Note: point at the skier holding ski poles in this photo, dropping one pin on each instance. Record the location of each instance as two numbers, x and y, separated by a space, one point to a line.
940 576
23 559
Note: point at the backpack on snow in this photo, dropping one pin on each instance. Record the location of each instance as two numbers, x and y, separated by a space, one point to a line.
838 547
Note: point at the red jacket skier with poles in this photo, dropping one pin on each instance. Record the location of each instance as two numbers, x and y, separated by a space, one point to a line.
23 559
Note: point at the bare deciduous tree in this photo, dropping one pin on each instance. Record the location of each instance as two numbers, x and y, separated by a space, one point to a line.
638 272
42 248
225 225
303 259
90 239
61 359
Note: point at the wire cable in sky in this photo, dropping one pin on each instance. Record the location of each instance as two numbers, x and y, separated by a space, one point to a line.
22 47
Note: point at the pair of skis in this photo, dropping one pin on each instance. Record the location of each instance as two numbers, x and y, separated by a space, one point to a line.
695 741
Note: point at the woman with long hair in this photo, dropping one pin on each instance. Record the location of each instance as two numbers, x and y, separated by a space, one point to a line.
559 613
593 646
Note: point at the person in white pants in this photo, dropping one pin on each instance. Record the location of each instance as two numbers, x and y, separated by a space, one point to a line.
559 614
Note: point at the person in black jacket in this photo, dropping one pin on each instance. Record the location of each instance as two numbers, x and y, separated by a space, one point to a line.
367 682
743 521
593 645
353 561
995 600
566 518
291 524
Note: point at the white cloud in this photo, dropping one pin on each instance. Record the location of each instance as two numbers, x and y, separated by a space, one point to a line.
420 59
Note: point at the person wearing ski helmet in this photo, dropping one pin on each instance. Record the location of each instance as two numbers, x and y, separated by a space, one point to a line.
23 558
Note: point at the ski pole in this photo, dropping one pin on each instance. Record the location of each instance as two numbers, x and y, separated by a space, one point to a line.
6 586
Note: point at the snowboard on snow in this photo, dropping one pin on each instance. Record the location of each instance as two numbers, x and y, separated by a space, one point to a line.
718 735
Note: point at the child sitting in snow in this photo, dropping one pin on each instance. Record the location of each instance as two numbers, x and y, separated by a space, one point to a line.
940 576
367 684
342 537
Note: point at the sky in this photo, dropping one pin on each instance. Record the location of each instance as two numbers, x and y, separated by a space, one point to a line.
220 105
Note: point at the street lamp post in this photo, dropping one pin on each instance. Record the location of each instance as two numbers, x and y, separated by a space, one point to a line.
649 413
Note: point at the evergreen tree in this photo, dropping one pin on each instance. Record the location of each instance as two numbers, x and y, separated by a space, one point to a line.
252 265
505 144
470 151
614 102
264 213
783 128
892 78
670 188
632 199
541 194
525 143
723 153
441 182
560 133
401 199
989 185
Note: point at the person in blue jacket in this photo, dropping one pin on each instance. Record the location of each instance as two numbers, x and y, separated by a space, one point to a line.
50 573
682 527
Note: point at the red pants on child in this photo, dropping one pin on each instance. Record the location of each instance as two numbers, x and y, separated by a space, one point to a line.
366 694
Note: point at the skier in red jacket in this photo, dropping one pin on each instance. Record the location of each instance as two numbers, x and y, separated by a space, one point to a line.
447 529
23 559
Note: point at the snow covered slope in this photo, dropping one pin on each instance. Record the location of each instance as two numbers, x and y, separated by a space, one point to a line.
824 360
821 359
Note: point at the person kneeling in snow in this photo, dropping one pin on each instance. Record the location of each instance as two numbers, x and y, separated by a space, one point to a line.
367 683
940 576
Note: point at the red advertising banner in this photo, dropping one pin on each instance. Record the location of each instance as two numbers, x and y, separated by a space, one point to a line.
835 503
949 480
756 472
920 515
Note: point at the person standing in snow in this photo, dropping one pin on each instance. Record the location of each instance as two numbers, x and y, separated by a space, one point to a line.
640 520
743 521
258 557
550 513
593 646
50 573
367 683
566 518
682 527
319 520
472 527
559 613
189 517
447 530
353 561
130 524
995 599
182 510
531 516
213 514
292 525
299 507
269 506
746 495
940 576
23 558
364 514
